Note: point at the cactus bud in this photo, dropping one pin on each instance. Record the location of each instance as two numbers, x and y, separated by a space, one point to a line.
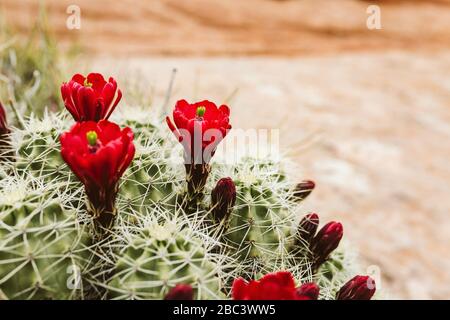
323 244
303 189
6 152
180 292
307 228
308 291
358 288
3 125
223 198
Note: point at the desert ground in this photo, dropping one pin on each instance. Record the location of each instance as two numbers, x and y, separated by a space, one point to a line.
235 27
364 113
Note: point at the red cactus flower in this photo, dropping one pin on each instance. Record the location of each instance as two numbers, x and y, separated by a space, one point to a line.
223 198
98 153
180 292
199 127
273 286
358 288
90 98
324 243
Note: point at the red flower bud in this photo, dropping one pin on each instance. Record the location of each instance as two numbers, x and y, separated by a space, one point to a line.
180 292
273 286
303 189
98 154
307 228
6 152
3 124
323 244
358 288
199 127
308 291
223 198
90 98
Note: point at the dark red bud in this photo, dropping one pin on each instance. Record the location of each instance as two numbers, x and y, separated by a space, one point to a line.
358 288
308 291
180 292
307 228
223 198
324 243
303 189
6 152
3 124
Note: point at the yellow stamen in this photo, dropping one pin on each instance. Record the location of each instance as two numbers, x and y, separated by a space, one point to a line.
91 137
87 83
200 111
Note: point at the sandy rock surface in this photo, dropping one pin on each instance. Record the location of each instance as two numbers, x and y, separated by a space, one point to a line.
235 27
371 129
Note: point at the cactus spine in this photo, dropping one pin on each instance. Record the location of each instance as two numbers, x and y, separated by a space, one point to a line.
44 248
155 243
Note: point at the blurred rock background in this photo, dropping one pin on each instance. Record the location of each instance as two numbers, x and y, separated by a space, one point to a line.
364 113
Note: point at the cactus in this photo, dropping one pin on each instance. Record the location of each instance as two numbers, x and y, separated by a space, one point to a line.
332 275
260 225
44 248
155 256
155 243
37 148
